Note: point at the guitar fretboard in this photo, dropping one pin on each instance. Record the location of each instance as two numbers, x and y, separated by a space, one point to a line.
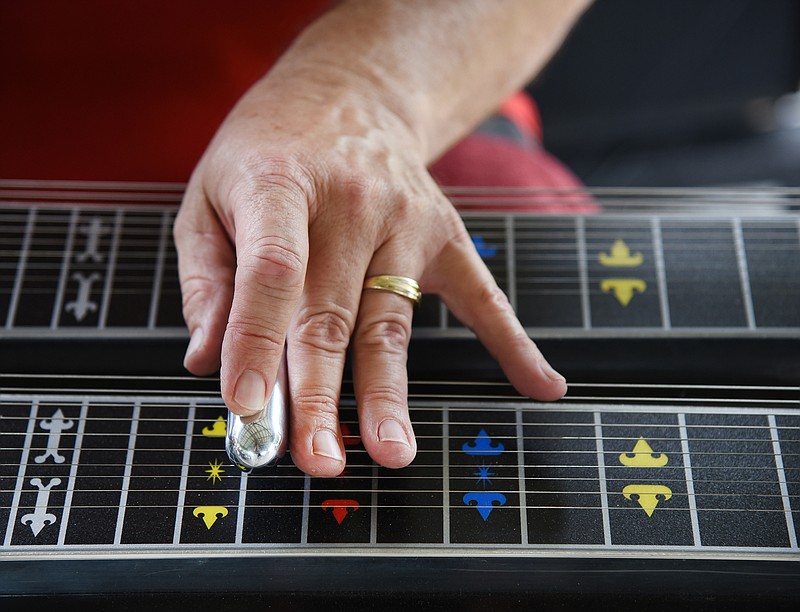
92 473
111 267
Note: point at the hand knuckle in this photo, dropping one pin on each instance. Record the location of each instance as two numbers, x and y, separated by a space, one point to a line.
262 172
327 330
254 332
490 297
271 258
318 403
389 397
390 334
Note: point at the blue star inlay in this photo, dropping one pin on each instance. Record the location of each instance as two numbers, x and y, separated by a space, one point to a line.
484 250
483 474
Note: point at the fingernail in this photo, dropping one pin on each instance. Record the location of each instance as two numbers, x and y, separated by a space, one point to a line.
325 444
195 343
391 431
251 391
548 371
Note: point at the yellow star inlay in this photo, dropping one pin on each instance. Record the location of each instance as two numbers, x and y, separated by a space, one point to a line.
216 471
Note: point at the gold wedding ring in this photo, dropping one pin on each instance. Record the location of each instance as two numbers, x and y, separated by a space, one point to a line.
401 285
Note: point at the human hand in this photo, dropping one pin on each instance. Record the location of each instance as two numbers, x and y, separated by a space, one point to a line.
308 188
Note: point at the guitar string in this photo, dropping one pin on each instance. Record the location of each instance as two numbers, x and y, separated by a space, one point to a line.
189 379
457 402
92 190
649 430
169 291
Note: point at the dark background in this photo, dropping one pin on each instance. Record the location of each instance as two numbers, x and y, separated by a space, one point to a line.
677 93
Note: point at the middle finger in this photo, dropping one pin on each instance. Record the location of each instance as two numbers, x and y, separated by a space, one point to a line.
317 345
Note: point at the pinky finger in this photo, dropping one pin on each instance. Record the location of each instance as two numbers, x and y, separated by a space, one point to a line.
473 296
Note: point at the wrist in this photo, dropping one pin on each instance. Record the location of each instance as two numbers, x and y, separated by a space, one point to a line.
325 90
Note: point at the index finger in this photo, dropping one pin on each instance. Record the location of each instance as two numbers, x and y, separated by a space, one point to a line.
271 239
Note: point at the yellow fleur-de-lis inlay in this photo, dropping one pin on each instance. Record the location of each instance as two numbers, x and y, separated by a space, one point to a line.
217 430
210 514
621 256
647 496
643 456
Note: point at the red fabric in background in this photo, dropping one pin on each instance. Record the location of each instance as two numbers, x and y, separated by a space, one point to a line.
128 90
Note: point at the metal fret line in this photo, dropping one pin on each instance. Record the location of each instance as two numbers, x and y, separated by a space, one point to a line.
744 273
787 505
126 476
373 517
445 475
523 501
110 269
242 505
583 271
661 273
306 506
73 473
158 276
65 267
687 468
21 268
443 313
601 473
187 451
511 262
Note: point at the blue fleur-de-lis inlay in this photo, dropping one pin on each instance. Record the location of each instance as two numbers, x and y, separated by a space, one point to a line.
483 446
484 250
485 501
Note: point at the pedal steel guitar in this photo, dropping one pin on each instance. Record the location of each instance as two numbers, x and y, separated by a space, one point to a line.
669 474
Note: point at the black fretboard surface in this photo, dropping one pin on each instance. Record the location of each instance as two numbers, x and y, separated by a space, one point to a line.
96 473
96 261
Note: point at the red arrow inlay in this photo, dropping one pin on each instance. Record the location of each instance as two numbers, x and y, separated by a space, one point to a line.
341 507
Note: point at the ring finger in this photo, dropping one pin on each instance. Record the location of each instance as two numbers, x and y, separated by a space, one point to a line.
380 354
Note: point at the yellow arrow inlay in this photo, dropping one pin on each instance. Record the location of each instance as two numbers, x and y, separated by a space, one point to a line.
623 288
217 430
647 496
643 456
210 514
620 256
